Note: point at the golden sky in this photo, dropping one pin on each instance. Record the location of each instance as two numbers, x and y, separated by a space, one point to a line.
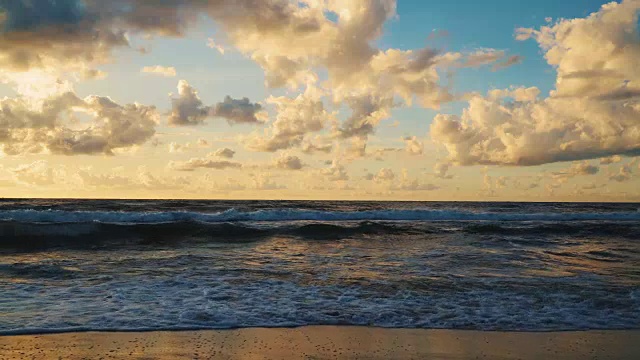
320 99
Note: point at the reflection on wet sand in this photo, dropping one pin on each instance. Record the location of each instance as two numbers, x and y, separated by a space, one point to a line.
325 342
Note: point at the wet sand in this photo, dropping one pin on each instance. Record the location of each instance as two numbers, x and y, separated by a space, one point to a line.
325 342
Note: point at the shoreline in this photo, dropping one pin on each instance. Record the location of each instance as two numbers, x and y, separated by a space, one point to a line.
324 342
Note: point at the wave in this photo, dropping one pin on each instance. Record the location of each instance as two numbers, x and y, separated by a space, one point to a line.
234 215
74 235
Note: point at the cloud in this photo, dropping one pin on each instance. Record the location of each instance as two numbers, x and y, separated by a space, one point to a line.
512 60
367 112
160 70
203 163
296 43
238 111
441 169
611 160
224 153
384 175
37 173
188 109
336 172
296 118
625 173
484 57
51 126
213 45
312 147
264 182
585 117
406 183
288 162
178 148
413 145
577 169
90 178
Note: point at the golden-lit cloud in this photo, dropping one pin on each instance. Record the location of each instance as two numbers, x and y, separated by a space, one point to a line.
592 113
160 70
54 127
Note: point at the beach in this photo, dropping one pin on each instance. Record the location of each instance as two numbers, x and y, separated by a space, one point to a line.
325 342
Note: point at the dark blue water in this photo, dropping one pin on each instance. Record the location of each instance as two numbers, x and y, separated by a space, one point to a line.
70 265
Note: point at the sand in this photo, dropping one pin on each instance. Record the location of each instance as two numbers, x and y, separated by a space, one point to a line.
325 342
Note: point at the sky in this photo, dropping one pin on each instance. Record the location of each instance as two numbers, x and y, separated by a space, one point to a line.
496 100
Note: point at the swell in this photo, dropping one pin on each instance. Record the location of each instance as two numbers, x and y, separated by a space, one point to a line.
16 235
276 215
622 229
28 236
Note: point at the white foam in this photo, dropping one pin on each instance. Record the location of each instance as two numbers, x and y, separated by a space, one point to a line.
216 304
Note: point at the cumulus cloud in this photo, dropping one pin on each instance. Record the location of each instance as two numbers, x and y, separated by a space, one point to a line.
295 43
441 170
188 109
403 182
384 175
336 172
51 127
592 113
224 153
238 111
160 70
413 145
265 182
289 162
90 178
414 185
296 118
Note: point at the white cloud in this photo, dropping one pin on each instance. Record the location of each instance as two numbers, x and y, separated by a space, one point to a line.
592 113
296 118
213 45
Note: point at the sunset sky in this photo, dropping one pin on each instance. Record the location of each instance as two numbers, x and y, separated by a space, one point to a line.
320 99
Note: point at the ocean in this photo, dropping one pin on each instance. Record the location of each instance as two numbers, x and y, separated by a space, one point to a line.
136 265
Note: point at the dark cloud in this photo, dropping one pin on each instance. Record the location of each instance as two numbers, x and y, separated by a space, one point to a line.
288 162
30 15
188 109
237 111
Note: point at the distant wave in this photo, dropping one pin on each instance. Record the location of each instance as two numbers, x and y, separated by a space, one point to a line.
234 215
